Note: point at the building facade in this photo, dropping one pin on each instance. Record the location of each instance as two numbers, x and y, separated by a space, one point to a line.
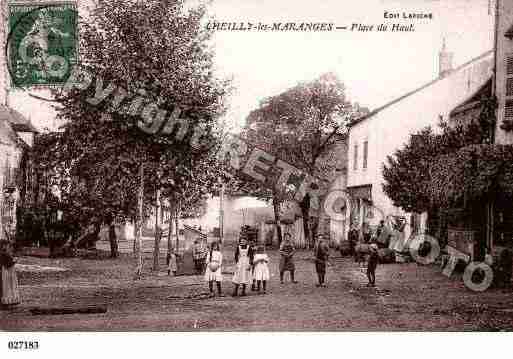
16 139
503 87
378 135
500 220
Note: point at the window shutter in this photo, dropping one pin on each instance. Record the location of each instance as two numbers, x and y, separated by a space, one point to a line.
508 106
508 109
509 64
509 86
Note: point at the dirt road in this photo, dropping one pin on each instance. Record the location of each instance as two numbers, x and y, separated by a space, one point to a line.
407 297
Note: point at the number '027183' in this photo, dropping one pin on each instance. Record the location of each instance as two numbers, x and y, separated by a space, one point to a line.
23 345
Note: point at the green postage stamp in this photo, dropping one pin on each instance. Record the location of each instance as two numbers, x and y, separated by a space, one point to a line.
42 43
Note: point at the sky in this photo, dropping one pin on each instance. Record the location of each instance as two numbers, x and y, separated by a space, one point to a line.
376 67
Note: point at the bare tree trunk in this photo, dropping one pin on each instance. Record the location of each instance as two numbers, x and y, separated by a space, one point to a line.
305 212
96 234
221 213
276 207
156 249
135 246
177 209
139 221
114 253
170 228
161 212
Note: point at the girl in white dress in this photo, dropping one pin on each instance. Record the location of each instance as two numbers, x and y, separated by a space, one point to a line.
213 273
242 275
261 262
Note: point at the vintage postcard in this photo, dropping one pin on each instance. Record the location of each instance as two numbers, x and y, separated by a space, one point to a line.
255 166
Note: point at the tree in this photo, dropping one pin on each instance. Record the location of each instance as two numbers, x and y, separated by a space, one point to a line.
187 181
302 126
408 173
159 51
472 174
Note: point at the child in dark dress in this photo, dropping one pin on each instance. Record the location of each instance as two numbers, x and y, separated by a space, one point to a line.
372 264
321 260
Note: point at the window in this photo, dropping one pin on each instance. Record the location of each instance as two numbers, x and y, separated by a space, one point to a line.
355 160
365 153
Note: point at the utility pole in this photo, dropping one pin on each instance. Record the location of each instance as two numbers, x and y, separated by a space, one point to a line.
139 221
177 230
158 229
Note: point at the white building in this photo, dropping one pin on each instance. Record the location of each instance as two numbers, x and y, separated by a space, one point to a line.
374 137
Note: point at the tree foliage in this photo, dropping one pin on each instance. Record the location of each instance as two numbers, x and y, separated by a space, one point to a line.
158 50
410 172
473 173
302 126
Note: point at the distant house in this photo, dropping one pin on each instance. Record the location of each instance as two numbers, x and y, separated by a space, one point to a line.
331 188
237 211
471 108
333 204
386 129
16 139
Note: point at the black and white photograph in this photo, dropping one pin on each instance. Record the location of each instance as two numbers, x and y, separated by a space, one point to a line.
182 167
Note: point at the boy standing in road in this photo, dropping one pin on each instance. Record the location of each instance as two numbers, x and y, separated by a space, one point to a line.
321 260
372 263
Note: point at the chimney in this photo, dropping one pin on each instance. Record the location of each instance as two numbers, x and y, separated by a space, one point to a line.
444 61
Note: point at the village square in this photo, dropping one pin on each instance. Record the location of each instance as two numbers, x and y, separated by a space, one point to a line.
153 181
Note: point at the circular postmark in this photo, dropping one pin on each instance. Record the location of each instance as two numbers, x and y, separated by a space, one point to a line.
41 46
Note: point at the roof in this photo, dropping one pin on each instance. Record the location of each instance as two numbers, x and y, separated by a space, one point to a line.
7 134
474 99
12 122
17 121
408 94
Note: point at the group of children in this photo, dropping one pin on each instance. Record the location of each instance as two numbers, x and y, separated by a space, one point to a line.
252 265
251 268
